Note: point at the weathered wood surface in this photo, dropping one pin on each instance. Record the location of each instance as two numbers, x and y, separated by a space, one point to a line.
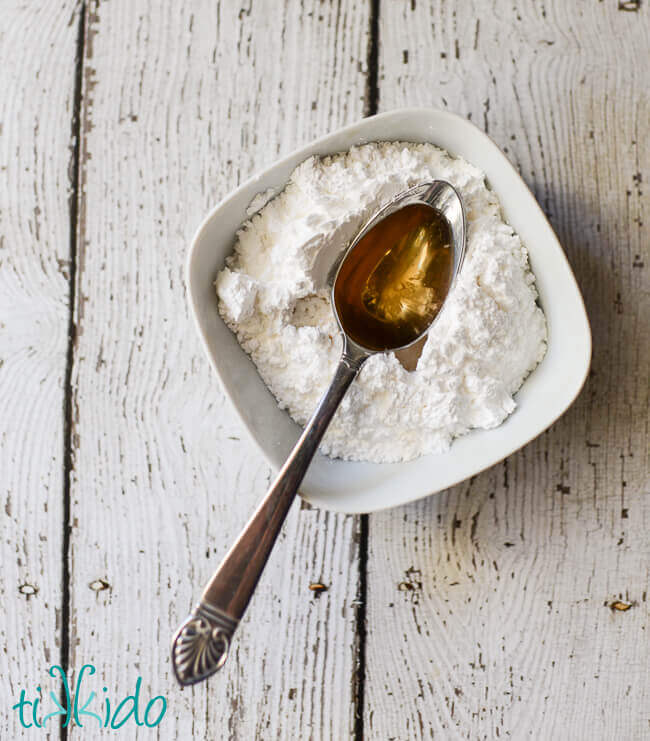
37 73
180 102
489 606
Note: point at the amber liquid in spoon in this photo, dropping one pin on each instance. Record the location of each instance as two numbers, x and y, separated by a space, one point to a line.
396 278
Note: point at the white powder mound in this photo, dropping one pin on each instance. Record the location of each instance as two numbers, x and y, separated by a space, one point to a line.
274 295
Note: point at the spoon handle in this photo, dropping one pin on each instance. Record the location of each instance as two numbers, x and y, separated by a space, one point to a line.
200 646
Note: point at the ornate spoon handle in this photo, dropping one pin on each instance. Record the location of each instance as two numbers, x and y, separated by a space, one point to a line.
200 646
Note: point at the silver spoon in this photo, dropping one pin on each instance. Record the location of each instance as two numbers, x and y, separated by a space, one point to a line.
201 644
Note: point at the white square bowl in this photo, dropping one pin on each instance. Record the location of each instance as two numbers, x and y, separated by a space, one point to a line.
545 395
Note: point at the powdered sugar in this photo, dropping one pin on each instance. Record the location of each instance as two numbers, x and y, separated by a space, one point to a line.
274 296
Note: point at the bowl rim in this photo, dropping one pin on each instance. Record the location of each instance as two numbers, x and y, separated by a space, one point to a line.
301 153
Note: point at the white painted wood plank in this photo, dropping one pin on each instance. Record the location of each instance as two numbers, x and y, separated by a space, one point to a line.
488 606
182 101
37 72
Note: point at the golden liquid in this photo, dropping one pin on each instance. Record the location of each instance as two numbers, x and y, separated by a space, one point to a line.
396 278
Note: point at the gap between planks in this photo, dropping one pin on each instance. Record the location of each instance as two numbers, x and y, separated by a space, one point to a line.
75 193
371 107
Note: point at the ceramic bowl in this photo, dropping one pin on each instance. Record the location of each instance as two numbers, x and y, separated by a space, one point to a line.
545 395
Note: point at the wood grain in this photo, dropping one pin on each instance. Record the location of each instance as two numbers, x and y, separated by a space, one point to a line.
514 605
490 606
180 102
37 73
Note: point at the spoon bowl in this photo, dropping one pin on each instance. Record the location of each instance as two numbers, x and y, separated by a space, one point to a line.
443 200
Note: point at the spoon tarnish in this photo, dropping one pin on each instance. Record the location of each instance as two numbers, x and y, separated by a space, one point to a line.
390 286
